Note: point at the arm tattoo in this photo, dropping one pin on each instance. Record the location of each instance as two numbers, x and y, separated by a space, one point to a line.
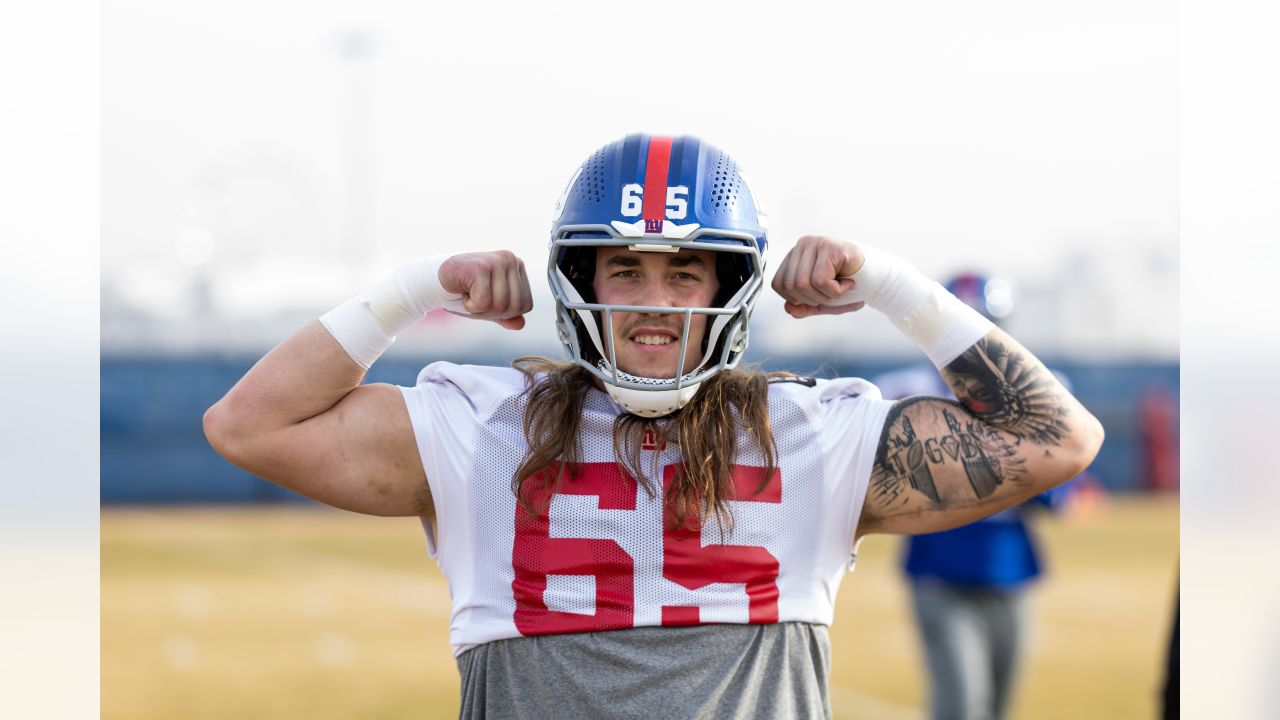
1005 397
1010 390
906 461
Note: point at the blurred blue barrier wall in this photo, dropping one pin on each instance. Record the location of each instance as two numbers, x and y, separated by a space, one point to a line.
154 451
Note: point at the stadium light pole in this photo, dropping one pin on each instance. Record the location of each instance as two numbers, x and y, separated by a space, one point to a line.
358 243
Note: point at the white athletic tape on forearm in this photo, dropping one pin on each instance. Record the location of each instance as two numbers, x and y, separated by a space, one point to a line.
944 327
937 321
367 324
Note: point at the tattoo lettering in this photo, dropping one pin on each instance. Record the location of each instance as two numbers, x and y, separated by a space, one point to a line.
980 469
906 459
939 455
1006 388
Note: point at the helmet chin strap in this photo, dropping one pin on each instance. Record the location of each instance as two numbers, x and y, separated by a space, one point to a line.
648 403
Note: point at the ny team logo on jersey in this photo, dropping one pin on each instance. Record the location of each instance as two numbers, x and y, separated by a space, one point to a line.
649 440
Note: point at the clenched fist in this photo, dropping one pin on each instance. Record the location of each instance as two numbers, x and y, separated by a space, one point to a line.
816 276
493 286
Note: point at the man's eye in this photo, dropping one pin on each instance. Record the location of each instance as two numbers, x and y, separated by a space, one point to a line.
686 276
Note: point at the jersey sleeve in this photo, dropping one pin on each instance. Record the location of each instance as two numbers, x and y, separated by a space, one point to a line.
447 407
850 415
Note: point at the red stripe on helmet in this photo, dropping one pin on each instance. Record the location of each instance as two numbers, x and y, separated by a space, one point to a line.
655 181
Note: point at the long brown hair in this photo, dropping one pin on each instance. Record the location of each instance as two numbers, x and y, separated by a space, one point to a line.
706 430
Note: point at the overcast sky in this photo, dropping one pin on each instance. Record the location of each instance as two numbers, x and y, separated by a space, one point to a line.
1005 135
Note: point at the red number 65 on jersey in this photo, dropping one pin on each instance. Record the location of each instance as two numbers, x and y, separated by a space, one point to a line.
685 560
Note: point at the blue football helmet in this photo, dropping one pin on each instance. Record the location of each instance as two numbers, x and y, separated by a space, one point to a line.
659 194
993 297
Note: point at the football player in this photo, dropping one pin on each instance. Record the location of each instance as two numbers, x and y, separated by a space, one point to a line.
644 530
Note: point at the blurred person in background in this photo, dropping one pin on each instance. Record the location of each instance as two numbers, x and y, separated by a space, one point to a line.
1171 686
968 584
646 530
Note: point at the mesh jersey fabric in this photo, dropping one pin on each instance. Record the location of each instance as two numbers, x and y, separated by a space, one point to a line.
601 557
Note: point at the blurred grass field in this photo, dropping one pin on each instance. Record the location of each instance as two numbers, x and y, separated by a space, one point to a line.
291 612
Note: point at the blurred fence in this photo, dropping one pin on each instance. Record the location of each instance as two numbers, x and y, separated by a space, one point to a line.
154 451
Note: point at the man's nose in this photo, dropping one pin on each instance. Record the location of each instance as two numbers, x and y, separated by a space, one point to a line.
655 293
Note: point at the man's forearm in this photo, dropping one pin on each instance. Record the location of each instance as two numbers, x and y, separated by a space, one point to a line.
994 378
1006 386
319 365
311 372
991 374
1015 431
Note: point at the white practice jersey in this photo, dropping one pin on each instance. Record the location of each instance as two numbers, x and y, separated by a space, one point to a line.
601 556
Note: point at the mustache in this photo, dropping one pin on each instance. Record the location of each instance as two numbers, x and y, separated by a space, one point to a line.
677 329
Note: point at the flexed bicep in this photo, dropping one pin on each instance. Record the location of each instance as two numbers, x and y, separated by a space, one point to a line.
938 466
1014 433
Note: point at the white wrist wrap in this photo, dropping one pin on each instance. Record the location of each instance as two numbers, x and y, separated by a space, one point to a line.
367 324
937 321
